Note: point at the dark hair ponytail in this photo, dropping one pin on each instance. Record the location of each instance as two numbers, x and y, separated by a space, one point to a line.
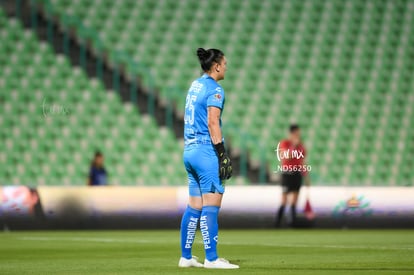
208 57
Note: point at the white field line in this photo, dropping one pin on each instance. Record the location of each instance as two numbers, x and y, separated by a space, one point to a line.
328 246
86 239
143 241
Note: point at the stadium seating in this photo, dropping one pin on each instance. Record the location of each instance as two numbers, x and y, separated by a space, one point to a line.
53 118
341 69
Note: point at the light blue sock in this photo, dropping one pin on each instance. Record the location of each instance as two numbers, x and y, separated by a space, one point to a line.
209 231
189 224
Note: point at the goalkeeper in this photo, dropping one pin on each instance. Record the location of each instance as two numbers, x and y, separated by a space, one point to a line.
205 160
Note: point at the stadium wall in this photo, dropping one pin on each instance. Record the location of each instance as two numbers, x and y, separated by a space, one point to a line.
113 207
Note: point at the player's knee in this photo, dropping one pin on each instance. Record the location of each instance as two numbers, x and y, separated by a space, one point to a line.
212 199
196 203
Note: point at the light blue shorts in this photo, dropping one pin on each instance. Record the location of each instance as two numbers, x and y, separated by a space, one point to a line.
201 163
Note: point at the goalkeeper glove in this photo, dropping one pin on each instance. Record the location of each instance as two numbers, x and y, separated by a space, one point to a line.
225 168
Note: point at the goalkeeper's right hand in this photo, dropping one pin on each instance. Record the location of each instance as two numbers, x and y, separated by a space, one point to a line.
225 167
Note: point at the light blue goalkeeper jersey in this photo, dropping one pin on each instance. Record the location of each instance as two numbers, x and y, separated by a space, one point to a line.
203 93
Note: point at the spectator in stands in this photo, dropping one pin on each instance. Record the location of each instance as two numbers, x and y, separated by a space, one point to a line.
291 152
97 172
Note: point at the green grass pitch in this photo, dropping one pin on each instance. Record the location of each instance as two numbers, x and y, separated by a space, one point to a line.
256 251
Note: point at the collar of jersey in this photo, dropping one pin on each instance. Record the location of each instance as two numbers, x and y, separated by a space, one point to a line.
207 76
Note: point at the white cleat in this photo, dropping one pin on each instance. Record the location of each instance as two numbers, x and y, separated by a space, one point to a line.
220 263
189 262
